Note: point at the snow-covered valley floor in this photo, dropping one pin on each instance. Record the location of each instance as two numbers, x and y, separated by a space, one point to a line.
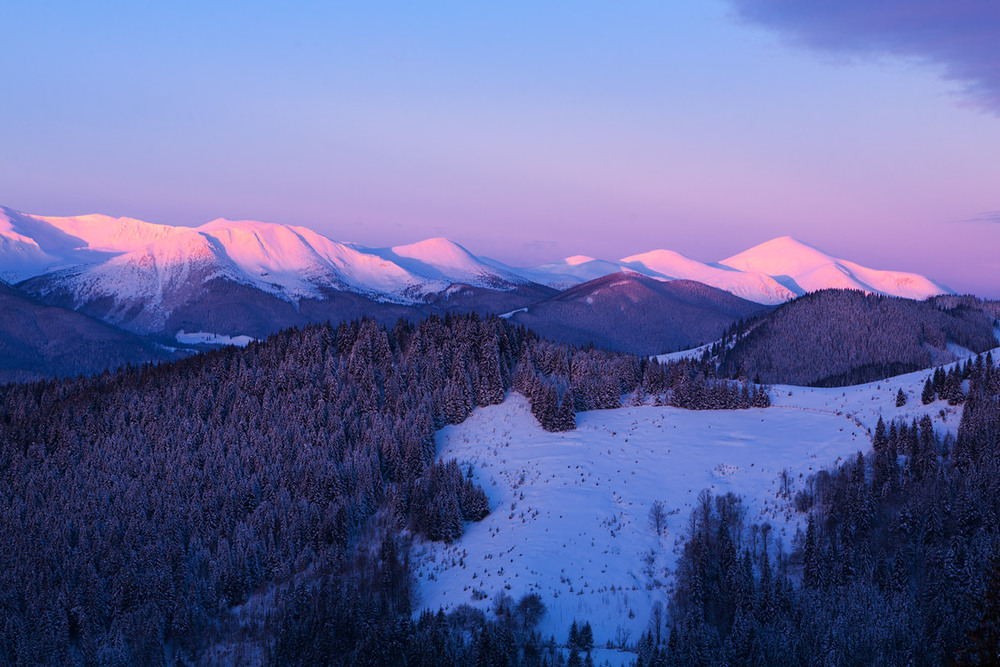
570 511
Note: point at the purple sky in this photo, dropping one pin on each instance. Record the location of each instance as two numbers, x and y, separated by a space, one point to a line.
525 131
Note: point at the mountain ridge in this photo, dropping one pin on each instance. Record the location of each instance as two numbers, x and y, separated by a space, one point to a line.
138 274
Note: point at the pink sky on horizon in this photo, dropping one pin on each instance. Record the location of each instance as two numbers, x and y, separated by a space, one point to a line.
526 133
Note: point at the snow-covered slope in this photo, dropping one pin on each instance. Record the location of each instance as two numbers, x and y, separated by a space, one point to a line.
569 511
748 285
770 273
141 272
298 262
802 268
33 245
108 234
570 271
443 262
92 257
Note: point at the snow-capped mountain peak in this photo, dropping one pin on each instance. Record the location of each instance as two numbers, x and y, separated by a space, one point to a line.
139 265
802 268
108 234
441 255
442 262
782 256
670 265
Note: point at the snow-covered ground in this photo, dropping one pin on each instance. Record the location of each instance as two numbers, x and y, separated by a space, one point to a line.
570 511
206 338
693 353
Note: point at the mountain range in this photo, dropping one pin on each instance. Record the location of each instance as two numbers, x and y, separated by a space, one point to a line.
157 268
247 278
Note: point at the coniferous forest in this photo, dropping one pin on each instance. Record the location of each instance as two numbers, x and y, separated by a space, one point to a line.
140 507
833 338
144 508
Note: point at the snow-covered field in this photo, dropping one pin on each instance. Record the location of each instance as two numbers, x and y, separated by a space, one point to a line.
206 338
570 511
864 403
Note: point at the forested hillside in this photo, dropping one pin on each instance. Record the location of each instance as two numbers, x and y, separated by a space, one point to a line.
842 337
39 341
140 506
634 313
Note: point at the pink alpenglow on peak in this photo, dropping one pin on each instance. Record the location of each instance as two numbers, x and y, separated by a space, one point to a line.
671 265
802 268
126 260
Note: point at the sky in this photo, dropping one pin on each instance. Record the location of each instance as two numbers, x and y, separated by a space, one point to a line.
525 131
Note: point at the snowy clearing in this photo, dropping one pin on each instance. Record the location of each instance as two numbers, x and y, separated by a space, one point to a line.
570 511
865 403
206 338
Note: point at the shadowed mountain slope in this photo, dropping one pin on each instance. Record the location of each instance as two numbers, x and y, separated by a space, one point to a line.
633 313
39 341
842 337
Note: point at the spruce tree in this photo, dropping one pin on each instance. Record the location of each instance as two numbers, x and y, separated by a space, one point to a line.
880 441
927 395
574 636
586 637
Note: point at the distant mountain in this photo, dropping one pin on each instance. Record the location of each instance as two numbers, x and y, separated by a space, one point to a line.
744 284
802 268
634 313
39 341
843 337
253 278
770 273
145 277
570 271
448 263
96 252
143 289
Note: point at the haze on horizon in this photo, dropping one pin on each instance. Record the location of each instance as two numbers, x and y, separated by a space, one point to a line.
524 132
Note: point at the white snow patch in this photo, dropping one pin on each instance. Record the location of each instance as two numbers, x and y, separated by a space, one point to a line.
513 312
205 338
693 353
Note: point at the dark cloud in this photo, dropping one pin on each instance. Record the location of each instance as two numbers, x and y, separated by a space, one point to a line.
961 36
